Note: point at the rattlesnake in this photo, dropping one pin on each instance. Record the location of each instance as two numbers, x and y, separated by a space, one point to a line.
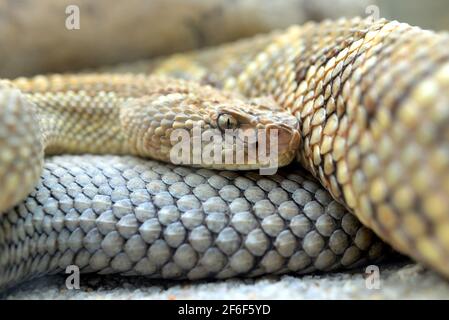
371 101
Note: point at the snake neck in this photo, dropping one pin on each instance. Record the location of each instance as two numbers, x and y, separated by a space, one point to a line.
81 114
75 125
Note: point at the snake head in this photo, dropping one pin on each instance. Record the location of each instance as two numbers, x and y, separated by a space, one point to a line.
263 133
215 132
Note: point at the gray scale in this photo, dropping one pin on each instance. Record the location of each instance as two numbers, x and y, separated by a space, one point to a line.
129 216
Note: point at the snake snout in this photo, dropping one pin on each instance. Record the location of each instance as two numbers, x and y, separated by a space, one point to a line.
288 137
288 140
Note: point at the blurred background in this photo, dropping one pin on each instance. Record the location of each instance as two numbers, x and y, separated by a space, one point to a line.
431 14
35 38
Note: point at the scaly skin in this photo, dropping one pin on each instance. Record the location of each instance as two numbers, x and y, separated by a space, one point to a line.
372 103
110 214
121 114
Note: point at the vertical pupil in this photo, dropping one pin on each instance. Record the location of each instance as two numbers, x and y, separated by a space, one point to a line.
229 123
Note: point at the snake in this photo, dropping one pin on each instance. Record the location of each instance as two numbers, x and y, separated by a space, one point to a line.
361 108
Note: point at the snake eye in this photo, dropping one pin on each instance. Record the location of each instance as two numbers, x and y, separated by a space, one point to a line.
226 121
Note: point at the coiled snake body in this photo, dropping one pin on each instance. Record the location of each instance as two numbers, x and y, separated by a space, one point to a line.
370 103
